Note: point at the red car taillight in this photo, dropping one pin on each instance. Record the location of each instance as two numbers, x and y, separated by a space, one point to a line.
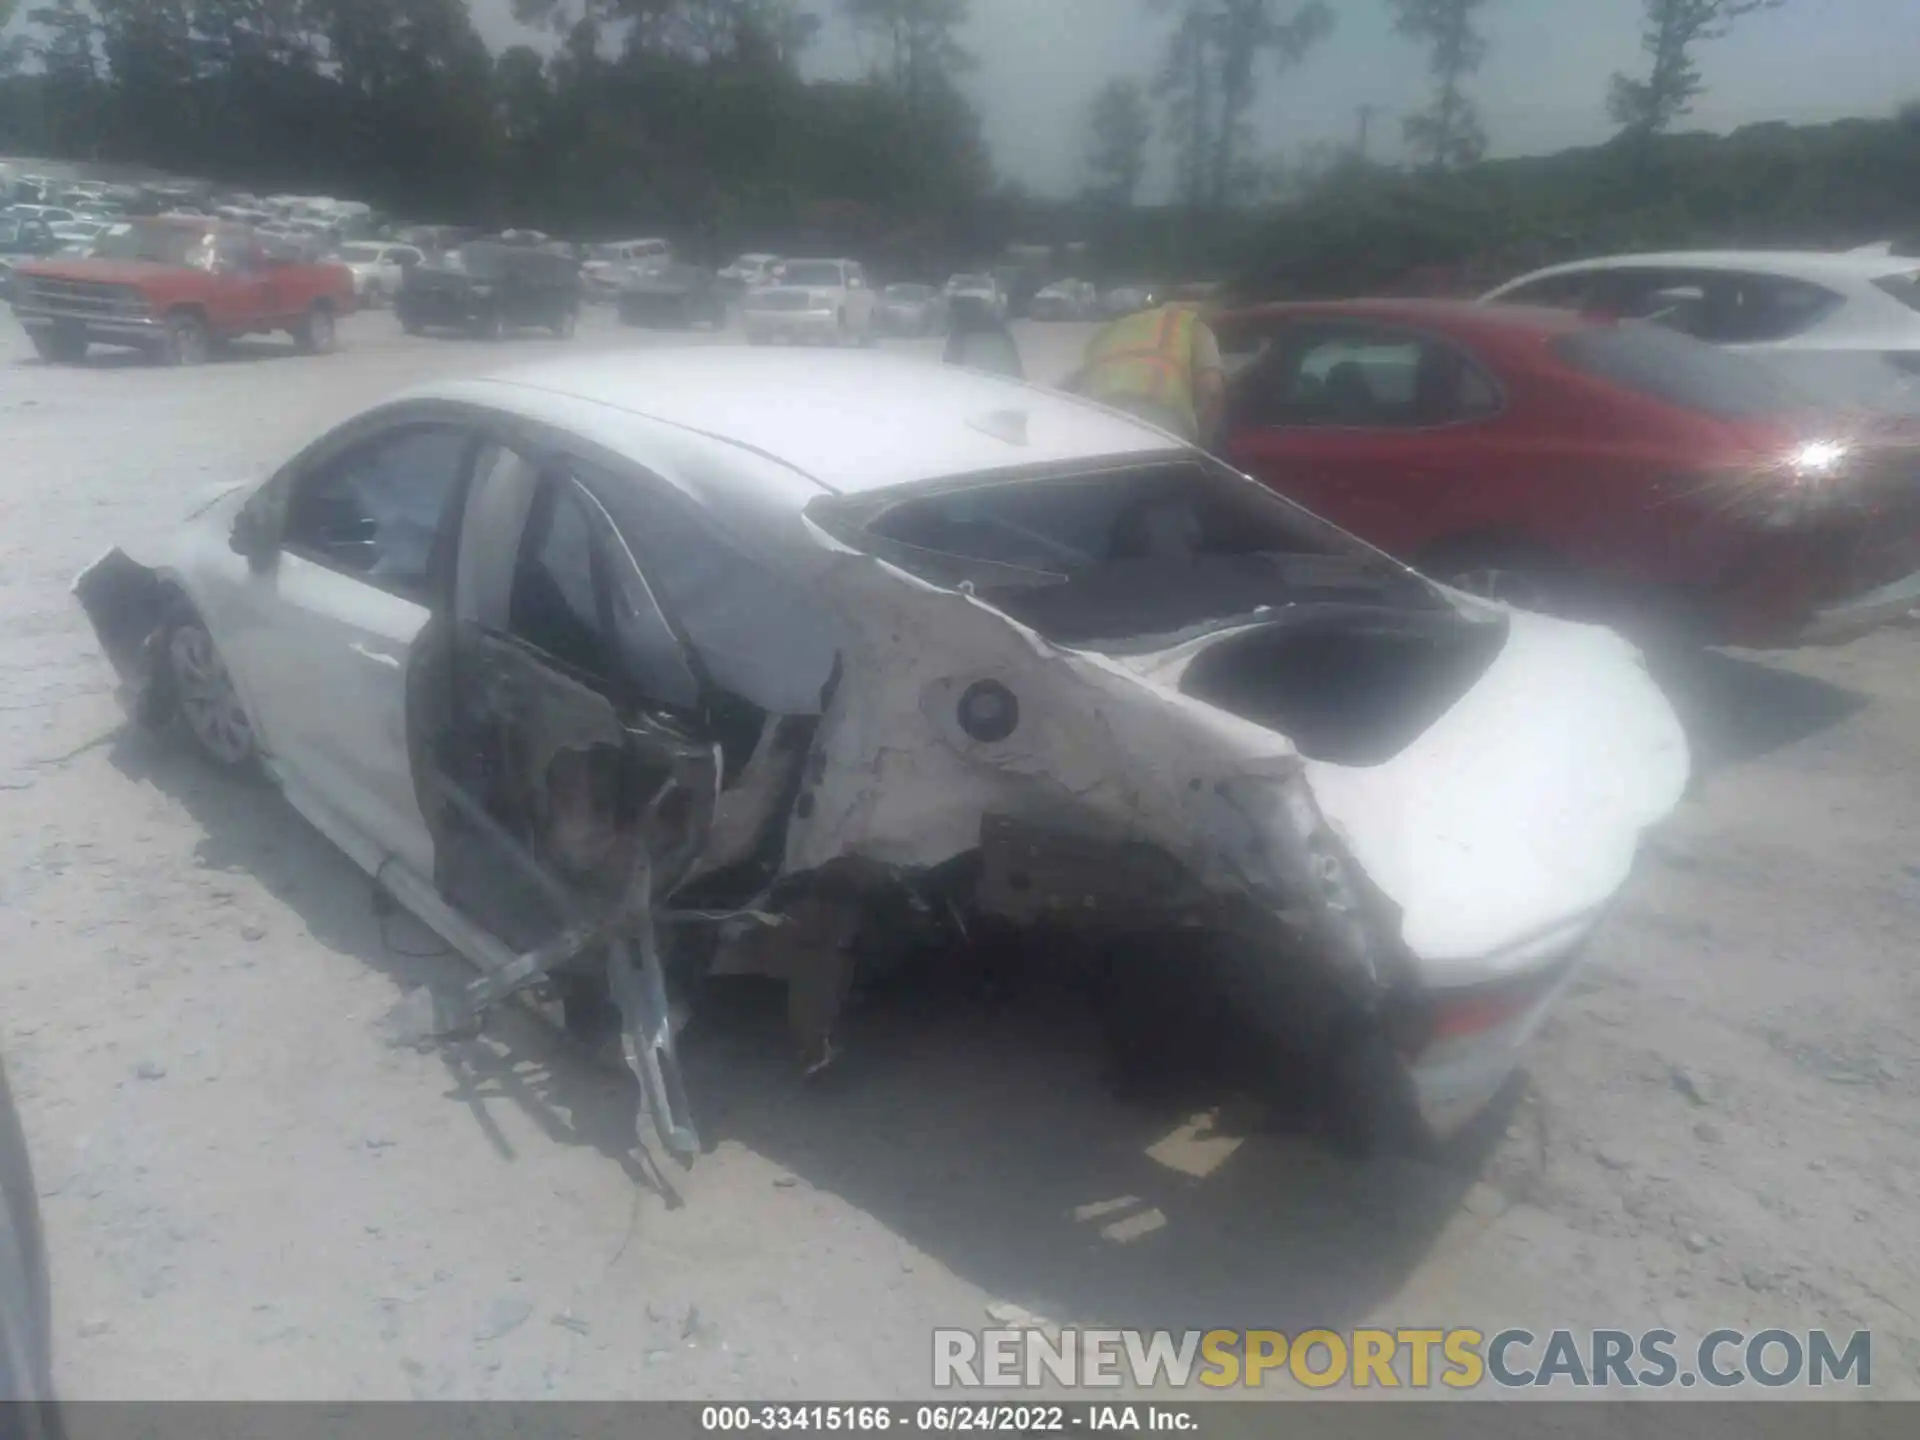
1468 1013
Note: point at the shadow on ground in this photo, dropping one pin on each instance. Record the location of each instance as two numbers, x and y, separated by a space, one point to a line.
248 828
979 1131
1736 708
109 357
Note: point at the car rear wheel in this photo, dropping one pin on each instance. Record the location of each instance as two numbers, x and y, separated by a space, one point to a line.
565 323
204 695
186 341
316 334
487 325
376 295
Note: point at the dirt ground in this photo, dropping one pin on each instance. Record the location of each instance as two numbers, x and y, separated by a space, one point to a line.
251 1194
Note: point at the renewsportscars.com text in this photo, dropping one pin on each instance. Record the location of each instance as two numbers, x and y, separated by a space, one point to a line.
1418 1359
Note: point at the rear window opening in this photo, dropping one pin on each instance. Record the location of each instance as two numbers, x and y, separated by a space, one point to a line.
1146 552
1662 365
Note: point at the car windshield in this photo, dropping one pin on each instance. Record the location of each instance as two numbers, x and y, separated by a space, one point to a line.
157 243
812 272
1123 559
359 254
1652 360
909 293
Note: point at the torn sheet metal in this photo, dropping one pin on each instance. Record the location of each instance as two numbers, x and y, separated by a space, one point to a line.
1528 796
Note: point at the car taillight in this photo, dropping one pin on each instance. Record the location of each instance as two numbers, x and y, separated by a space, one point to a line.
1463 1015
1456 1017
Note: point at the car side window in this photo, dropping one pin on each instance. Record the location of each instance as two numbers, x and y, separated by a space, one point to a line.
1359 377
1759 309
555 605
578 598
754 632
233 251
379 511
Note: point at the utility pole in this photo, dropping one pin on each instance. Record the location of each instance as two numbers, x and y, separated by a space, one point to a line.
1366 113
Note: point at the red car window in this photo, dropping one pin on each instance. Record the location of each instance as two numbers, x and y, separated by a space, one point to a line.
1364 377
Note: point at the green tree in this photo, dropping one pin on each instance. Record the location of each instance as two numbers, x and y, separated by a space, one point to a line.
1673 28
1118 129
61 38
1209 79
149 50
922 62
12 47
1448 133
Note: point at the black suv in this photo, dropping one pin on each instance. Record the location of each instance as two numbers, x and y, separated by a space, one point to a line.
485 287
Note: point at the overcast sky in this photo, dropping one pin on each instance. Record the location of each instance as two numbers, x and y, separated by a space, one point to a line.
1543 88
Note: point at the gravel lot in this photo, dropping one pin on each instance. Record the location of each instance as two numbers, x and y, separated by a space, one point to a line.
251 1195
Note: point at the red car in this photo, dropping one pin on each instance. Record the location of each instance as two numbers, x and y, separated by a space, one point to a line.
178 288
1577 464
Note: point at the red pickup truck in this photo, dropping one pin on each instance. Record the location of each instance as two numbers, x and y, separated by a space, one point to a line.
177 288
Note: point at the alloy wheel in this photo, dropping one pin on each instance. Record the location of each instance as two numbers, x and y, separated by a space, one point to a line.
206 696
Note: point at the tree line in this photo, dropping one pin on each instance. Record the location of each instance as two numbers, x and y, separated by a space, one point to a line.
693 118
684 117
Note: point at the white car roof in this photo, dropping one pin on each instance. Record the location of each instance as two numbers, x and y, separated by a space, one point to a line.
1815 266
848 423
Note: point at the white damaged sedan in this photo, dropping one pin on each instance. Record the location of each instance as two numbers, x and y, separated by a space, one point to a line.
624 671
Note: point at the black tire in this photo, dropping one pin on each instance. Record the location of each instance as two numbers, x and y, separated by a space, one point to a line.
1370 1108
376 295
26 1310
62 345
317 334
205 703
409 322
565 323
186 341
488 325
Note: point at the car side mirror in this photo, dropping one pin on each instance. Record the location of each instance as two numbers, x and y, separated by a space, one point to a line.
250 538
